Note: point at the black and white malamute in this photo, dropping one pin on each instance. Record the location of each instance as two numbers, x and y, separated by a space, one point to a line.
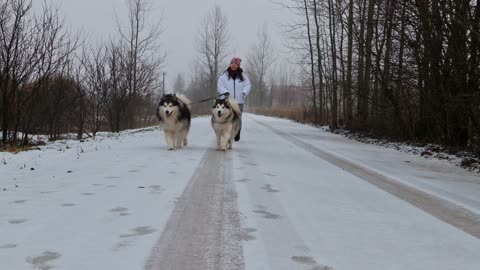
174 113
226 121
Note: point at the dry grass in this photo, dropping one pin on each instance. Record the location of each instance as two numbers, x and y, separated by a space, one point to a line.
18 148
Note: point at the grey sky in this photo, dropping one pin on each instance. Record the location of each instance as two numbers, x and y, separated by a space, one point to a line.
181 20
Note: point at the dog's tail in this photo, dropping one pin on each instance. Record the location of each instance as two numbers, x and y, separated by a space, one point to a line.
185 101
235 107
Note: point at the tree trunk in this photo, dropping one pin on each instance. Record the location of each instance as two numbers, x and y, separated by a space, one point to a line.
361 99
312 65
333 44
364 94
347 92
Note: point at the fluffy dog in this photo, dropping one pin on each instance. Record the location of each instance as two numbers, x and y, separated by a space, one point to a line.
226 121
174 113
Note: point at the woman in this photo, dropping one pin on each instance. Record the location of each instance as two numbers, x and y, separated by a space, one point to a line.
236 84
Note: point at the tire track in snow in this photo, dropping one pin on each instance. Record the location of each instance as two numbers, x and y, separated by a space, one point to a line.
201 232
451 213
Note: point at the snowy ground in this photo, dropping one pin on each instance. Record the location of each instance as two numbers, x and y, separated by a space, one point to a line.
464 159
289 196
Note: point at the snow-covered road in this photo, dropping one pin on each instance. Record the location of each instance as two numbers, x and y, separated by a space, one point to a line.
289 196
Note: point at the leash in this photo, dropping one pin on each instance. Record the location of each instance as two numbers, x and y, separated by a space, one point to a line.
210 98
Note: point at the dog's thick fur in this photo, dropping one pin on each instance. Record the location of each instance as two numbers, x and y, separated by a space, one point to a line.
226 122
174 113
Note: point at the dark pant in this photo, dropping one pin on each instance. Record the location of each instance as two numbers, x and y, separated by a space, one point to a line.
241 109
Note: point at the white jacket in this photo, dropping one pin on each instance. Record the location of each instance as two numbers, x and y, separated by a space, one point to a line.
236 88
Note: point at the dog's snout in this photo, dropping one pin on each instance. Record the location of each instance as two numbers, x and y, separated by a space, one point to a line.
219 113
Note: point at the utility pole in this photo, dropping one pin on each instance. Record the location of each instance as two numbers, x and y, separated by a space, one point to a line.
163 83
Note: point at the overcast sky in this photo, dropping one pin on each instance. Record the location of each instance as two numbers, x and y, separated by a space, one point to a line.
181 19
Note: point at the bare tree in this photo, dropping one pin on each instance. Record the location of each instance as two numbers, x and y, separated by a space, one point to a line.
211 44
137 56
320 74
347 92
179 86
311 56
410 69
259 62
32 49
79 113
196 89
96 82
332 23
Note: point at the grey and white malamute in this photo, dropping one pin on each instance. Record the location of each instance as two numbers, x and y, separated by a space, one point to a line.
174 113
226 121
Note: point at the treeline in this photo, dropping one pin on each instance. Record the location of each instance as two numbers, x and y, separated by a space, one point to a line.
52 81
407 69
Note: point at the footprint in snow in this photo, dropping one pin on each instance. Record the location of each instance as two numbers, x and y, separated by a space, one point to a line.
17 221
19 201
8 246
121 210
68 204
267 215
269 188
129 238
246 234
139 231
112 177
43 261
310 262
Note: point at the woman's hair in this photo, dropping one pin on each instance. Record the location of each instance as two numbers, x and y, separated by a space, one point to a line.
234 74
